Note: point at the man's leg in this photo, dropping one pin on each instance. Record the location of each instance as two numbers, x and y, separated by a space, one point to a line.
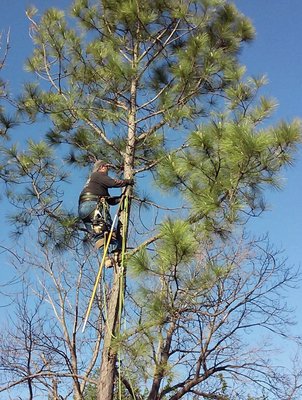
94 222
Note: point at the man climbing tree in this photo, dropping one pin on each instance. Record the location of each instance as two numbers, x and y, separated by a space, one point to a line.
94 204
156 86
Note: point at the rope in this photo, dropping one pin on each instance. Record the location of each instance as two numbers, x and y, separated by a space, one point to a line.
106 247
124 200
121 296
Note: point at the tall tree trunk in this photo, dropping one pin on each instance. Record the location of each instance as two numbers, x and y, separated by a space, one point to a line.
163 358
109 354
54 391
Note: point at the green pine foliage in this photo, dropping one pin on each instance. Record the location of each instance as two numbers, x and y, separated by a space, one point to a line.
95 56
226 167
91 79
32 178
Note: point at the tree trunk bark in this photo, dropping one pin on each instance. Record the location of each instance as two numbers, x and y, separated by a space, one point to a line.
163 358
109 354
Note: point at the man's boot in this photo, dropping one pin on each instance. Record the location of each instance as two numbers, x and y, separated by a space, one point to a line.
109 262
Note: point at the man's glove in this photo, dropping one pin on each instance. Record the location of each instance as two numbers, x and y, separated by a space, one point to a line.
114 200
129 181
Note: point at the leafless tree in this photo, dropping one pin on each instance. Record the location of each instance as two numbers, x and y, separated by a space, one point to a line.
206 329
42 347
216 317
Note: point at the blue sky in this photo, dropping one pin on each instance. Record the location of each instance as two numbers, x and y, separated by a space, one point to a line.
276 52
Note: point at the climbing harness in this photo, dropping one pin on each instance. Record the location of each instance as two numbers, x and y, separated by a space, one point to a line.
106 247
99 219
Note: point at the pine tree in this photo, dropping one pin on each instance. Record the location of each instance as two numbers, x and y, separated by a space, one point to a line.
155 88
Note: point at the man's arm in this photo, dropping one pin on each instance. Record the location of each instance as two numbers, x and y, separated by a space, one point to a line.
115 183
